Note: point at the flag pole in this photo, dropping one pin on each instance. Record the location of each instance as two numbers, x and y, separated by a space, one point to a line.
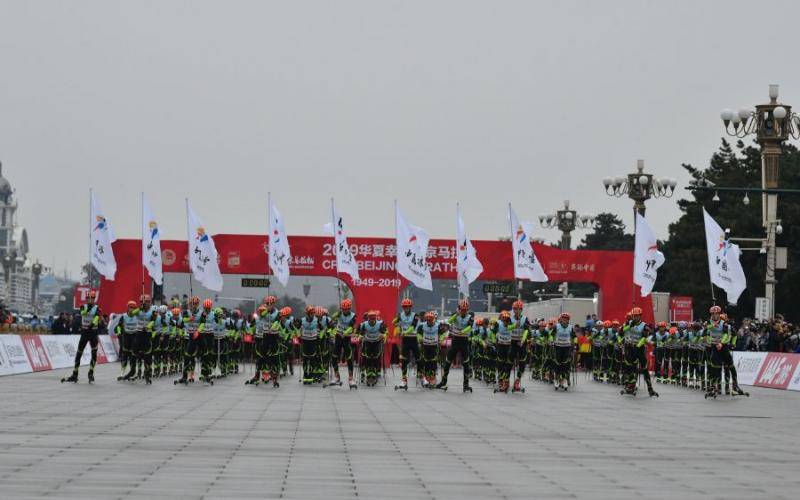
141 247
511 234
189 254
336 253
91 223
458 274
269 238
396 271
633 270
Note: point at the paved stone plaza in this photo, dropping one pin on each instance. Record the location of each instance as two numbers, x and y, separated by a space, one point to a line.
116 440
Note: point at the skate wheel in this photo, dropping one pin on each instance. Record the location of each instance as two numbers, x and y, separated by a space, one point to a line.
62 380
495 391
621 393
174 382
523 390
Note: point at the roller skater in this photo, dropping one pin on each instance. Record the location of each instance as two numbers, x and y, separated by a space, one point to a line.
501 338
126 328
563 339
598 349
719 355
661 337
429 334
372 334
406 327
519 342
344 324
309 329
90 322
634 339
192 341
460 329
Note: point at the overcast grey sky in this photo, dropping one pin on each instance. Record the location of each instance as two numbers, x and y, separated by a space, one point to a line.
428 102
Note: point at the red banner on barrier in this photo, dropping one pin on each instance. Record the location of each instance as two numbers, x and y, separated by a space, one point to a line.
36 353
777 370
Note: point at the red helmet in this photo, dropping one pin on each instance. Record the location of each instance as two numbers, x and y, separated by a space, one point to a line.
145 298
517 305
673 330
261 309
92 294
407 303
564 315
479 322
463 305
309 309
176 311
207 304
195 300
286 311
346 305
505 315
607 324
319 311
429 316
715 309
270 300
723 317
663 324
372 314
615 323
636 311
131 303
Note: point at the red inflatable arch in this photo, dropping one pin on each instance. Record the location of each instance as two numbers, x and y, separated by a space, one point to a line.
611 271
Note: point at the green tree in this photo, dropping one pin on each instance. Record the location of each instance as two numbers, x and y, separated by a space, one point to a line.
608 234
685 271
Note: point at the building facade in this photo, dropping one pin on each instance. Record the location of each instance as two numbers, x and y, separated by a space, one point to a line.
17 283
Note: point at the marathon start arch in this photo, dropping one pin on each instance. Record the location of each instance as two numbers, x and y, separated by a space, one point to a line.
379 285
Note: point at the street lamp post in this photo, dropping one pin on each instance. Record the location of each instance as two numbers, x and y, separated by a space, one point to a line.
640 187
566 220
771 124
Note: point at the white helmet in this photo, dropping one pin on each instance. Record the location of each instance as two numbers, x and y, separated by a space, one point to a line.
162 309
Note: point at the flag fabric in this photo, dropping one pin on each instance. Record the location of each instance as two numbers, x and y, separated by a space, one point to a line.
202 253
526 265
646 257
151 244
102 236
412 248
345 261
279 253
468 267
724 268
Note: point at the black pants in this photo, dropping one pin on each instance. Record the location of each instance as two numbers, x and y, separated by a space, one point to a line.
660 364
191 351
409 347
563 362
430 355
371 355
91 339
142 349
634 364
503 360
457 345
342 351
310 357
519 356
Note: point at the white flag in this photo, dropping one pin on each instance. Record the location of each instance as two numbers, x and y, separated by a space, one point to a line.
102 236
345 261
202 253
724 267
526 265
646 257
468 267
151 244
279 254
412 247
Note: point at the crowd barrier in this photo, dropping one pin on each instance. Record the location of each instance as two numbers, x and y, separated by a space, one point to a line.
36 353
775 370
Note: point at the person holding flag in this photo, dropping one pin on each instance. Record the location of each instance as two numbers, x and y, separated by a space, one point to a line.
460 331
91 320
344 322
405 324
635 335
719 355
